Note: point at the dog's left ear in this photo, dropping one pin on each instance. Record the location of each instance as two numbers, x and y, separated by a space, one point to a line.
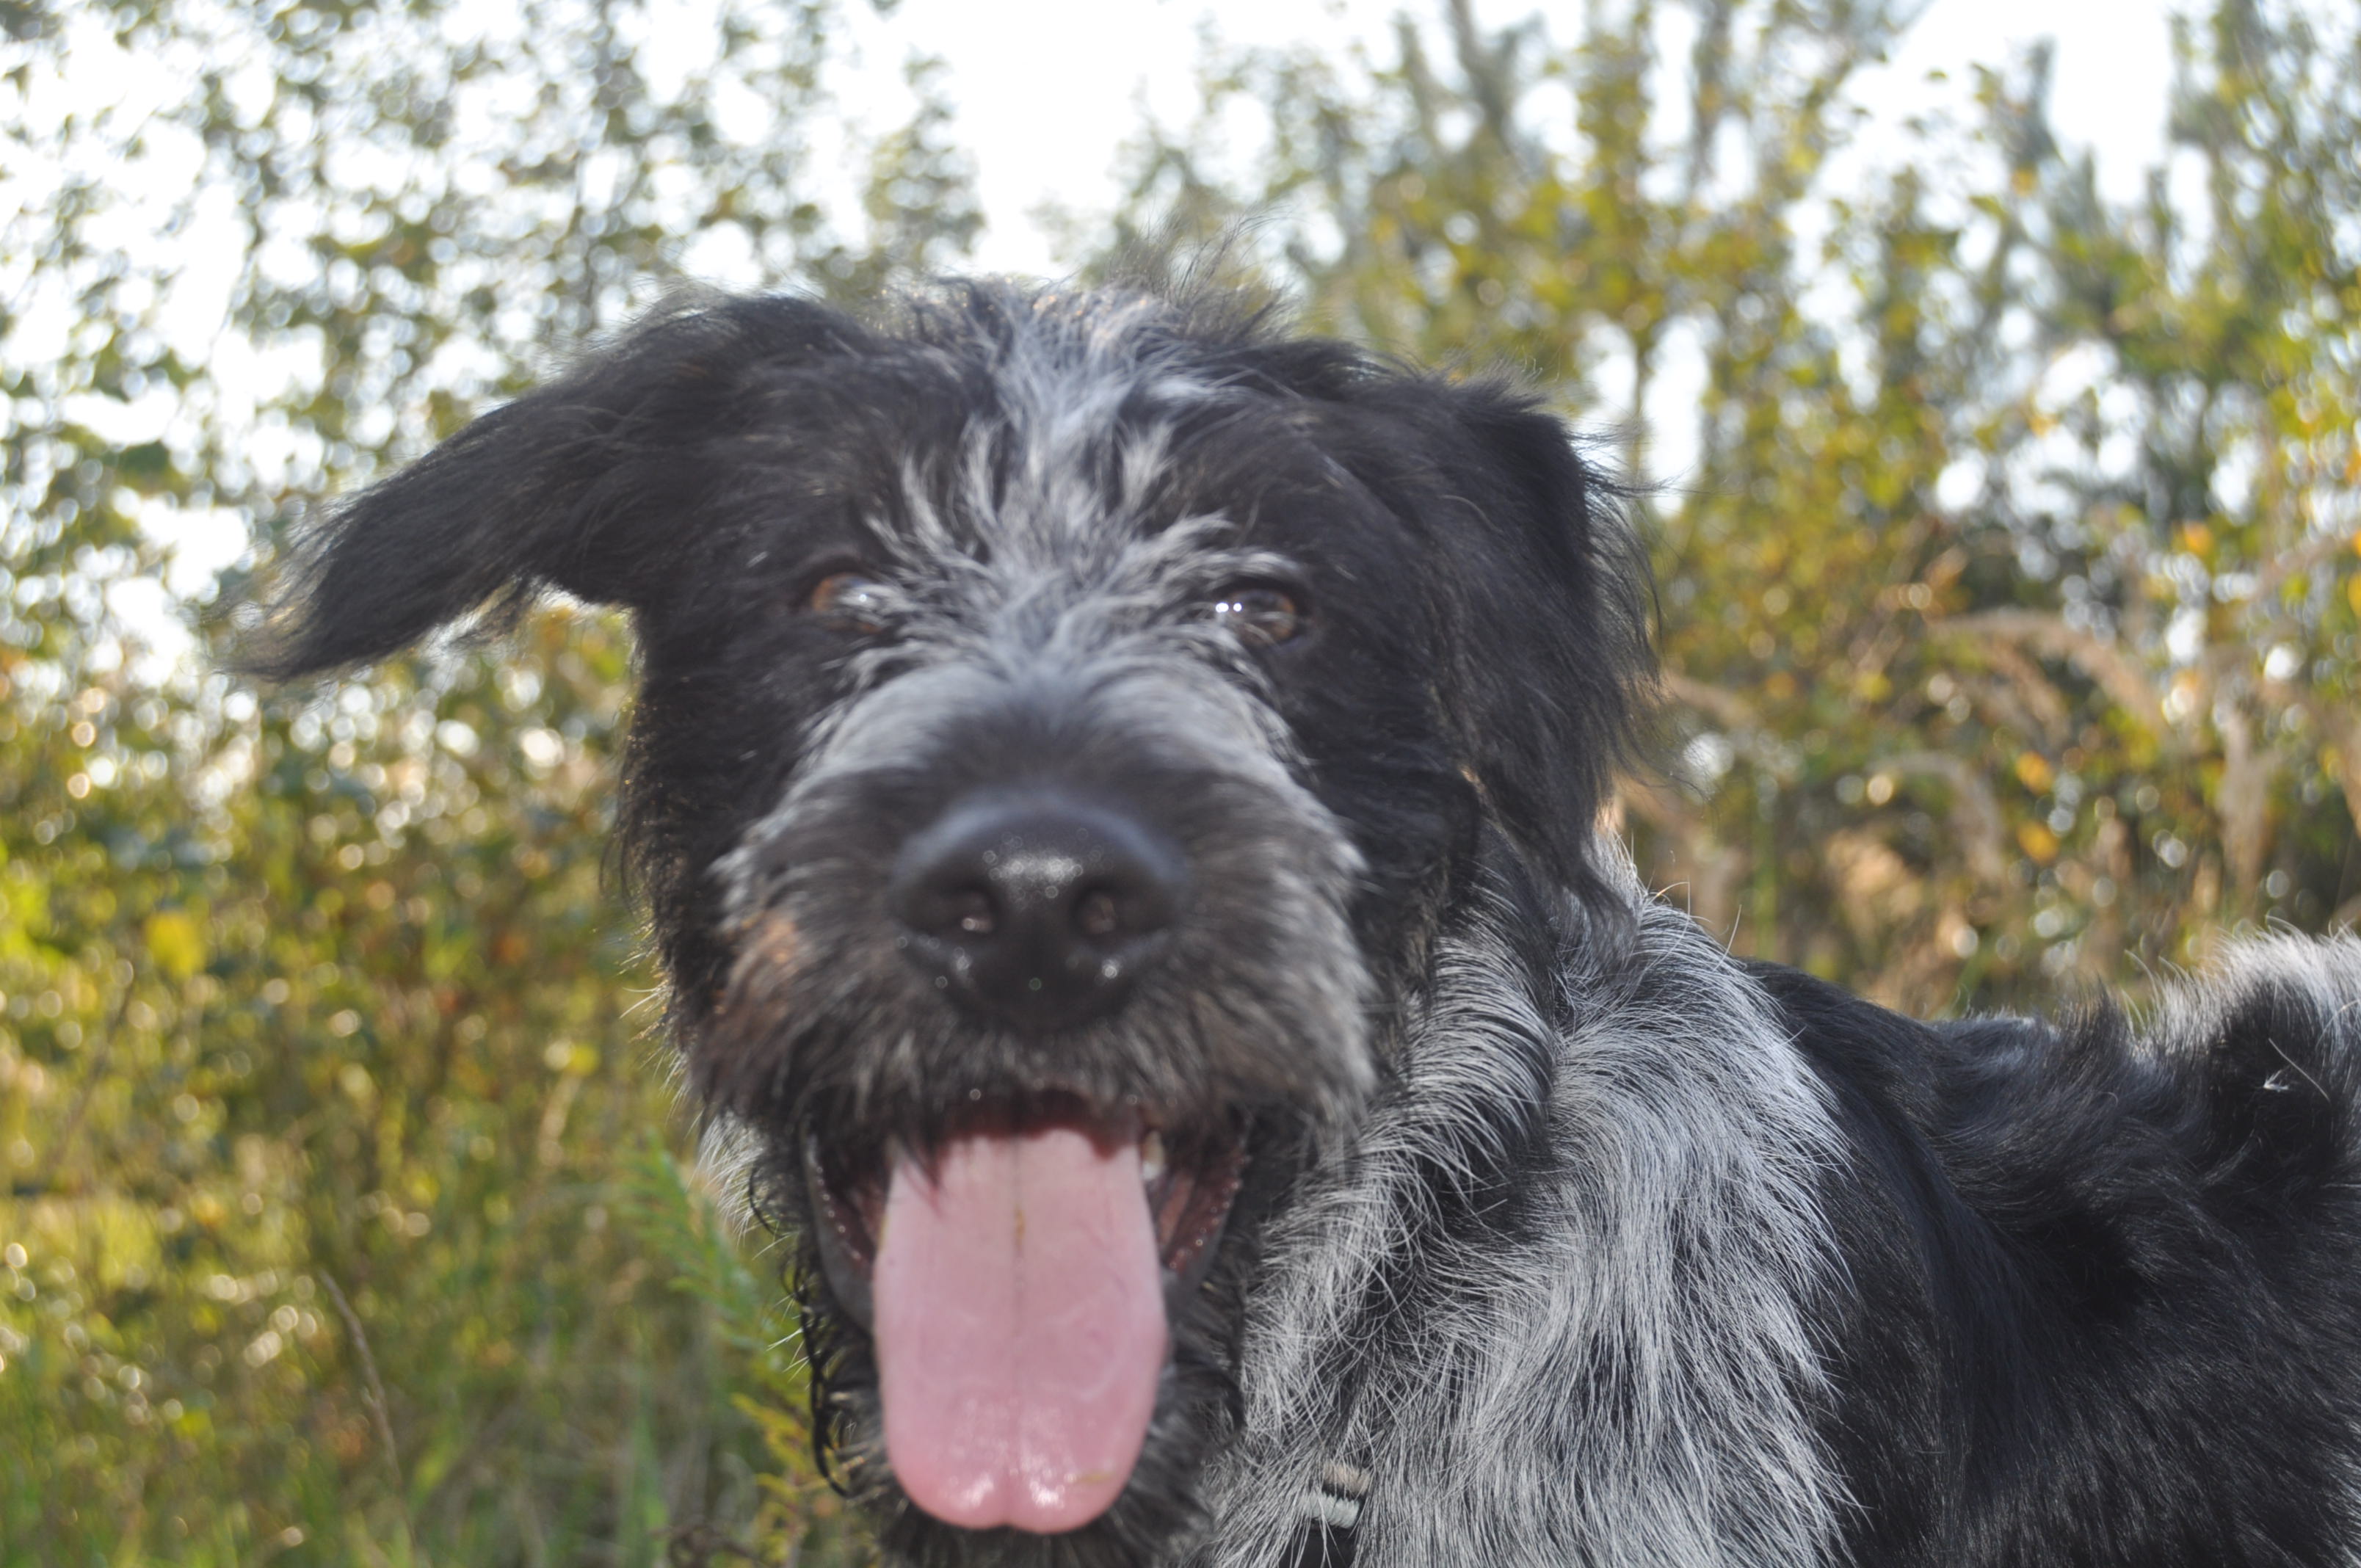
586 484
1550 595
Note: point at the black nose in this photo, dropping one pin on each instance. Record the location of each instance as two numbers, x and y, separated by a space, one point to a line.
1039 909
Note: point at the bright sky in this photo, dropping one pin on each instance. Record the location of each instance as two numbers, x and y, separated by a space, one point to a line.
1045 103
1044 106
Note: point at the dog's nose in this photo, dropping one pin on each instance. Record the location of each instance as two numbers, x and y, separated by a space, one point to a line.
1037 910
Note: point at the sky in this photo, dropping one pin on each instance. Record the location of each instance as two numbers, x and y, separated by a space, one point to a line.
1045 103
1045 107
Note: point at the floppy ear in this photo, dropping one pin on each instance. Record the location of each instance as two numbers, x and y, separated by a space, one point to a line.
583 485
1553 593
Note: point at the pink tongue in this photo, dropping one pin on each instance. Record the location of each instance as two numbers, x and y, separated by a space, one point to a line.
1020 1328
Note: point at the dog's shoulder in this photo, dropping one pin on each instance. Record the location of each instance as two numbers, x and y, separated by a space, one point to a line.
2263 1054
2203 1156
2127 1239
2253 1065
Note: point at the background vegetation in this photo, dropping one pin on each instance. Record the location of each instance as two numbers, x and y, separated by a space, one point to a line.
2011 609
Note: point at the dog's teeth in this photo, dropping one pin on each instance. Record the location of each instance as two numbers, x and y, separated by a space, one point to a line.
1151 1157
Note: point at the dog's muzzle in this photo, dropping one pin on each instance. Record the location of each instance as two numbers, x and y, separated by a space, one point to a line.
1019 1275
1027 1036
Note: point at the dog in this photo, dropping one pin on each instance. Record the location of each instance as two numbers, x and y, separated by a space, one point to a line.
1117 787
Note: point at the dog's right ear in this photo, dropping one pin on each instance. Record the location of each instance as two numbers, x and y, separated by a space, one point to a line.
584 486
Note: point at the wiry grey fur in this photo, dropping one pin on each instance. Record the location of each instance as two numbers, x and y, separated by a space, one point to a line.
1638 1384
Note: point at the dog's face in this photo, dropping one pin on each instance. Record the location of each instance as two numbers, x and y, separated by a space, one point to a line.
1063 722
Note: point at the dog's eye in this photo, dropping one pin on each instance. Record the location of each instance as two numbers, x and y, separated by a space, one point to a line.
850 601
1260 614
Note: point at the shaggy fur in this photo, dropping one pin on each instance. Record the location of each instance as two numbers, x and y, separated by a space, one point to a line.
1559 1235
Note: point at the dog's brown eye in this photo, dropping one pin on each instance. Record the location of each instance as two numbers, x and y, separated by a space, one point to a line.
850 600
1260 614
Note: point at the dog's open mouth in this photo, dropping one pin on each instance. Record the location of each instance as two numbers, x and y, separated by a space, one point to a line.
1018 1279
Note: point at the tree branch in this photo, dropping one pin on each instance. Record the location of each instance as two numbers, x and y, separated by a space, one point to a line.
2124 681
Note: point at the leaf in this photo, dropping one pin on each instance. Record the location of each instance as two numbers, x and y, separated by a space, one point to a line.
176 942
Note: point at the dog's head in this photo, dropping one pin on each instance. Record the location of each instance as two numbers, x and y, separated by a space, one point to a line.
1064 721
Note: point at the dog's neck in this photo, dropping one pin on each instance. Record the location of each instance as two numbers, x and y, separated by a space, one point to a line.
1512 1121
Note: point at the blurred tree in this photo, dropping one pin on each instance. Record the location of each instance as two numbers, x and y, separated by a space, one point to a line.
321 1237
2010 600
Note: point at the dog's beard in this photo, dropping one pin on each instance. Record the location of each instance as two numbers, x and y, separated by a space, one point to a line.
1017 1243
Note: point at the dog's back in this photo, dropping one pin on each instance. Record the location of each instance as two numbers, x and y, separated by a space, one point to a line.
2107 1280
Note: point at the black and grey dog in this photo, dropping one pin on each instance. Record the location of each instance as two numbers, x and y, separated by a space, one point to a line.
1117 787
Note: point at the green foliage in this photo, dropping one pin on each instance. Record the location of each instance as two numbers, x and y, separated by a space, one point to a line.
337 1007
2009 605
323 1035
